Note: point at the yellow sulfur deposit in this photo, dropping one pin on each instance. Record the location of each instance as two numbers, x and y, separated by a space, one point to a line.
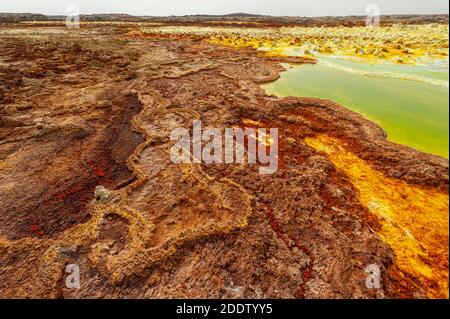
397 43
414 220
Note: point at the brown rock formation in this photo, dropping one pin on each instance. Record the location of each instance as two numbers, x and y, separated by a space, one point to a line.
89 107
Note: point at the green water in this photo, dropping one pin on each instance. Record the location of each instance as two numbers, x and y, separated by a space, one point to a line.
412 112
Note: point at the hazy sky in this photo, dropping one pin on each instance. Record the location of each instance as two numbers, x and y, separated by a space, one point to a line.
184 7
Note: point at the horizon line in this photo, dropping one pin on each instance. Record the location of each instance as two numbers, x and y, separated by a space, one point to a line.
226 14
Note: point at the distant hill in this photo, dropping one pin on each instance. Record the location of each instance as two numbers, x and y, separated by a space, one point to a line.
240 14
234 18
18 17
231 15
110 17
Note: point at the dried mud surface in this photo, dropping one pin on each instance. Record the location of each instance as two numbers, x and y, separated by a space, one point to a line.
89 107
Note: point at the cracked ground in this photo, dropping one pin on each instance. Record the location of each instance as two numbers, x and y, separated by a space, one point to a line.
95 106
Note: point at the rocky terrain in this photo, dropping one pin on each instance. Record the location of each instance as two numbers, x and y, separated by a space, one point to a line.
86 178
399 43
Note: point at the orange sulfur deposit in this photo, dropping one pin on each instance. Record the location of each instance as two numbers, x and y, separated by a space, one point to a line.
414 220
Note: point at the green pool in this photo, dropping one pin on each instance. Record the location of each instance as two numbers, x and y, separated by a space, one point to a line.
411 103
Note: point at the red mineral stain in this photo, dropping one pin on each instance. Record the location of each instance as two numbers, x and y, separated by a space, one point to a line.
290 243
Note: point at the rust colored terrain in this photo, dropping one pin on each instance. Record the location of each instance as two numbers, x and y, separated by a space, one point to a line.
89 107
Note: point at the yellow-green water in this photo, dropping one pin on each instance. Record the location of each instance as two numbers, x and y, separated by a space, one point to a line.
411 103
